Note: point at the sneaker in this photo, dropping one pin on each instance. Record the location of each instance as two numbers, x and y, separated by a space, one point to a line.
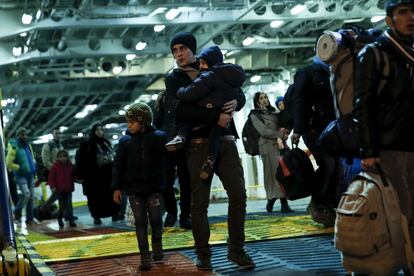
203 263
207 167
72 224
185 223
145 264
170 221
60 222
241 258
325 216
97 221
175 144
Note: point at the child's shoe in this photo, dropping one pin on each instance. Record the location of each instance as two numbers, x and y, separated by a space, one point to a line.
207 167
60 222
175 144
145 264
157 253
72 224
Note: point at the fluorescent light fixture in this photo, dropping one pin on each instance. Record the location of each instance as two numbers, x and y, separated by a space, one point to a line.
130 56
63 128
80 134
121 112
171 14
159 28
86 110
90 107
140 46
27 18
38 14
224 52
297 9
24 34
353 20
154 97
255 78
3 103
158 11
276 23
248 41
40 141
144 98
377 18
25 49
126 107
123 132
117 69
17 51
115 137
111 125
81 114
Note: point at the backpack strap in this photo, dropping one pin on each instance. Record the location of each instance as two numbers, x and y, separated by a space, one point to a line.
382 65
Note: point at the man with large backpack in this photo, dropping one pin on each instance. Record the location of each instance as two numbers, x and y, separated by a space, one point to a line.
384 120
313 111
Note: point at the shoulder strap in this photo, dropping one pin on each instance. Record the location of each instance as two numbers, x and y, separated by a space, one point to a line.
382 65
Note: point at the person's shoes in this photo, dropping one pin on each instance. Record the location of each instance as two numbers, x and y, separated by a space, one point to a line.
270 203
145 264
72 218
241 258
97 221
325 216
285 206
185 223
60 222
203 263
157 253
170 221
117 217
207 167
175 144
72 224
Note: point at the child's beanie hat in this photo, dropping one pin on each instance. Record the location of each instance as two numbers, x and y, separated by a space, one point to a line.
139 112
211 55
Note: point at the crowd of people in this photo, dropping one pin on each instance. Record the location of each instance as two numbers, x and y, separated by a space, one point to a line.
192 135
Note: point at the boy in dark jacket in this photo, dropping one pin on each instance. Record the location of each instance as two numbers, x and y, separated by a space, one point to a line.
62 178
139 171
218 84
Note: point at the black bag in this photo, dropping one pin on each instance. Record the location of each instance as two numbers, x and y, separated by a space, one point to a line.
295 174
250 136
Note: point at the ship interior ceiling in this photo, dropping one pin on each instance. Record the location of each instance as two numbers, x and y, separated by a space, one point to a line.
72 63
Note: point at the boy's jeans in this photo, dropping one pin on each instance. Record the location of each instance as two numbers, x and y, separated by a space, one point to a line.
26 186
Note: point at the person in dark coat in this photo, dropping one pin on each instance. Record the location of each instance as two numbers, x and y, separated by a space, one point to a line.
314 110
140 171
217 84
96 178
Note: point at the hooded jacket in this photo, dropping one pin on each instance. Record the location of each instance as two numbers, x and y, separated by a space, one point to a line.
62 177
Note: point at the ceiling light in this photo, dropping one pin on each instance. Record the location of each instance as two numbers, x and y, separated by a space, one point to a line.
159 28
111 125
276 23
377 18
140 46
85 111
158 11
224 52
3 103
121 112
114 137
90 107
40 141
248 41
80 134
81 114
117 69
154 97
17 51
24 34
297 9
63 128
354 20
171 14
38 14
255 78
27 18
130 56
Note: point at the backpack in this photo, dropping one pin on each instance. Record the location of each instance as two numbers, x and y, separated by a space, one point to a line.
295 174
370 230
340 49
250 136
289 103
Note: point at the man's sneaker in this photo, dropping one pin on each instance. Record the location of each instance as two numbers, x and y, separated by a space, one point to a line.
207 167
185 223
170 221
175 144
203 263
241 258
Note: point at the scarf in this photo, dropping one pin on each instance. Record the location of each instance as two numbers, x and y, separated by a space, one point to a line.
404 50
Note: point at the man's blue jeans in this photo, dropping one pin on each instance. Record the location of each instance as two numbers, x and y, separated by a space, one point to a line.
26 186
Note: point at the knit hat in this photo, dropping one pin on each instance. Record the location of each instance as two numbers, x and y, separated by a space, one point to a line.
278 100
211 55
139 112
390 5
186 39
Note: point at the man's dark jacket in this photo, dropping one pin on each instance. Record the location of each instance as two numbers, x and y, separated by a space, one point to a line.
384 120
140 163
314 107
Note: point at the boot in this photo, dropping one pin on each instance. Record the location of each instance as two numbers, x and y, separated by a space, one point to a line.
270 203
145 264
285 206
157 253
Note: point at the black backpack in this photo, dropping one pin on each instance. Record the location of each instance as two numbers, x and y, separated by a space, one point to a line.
295 174
289 102
250 136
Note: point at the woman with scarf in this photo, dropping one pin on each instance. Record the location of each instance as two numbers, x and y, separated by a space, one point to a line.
94 171
264 119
